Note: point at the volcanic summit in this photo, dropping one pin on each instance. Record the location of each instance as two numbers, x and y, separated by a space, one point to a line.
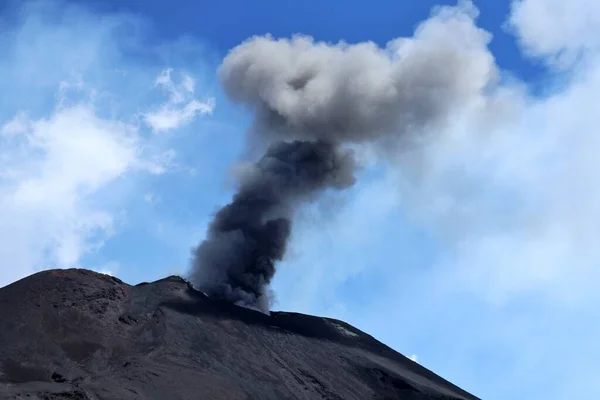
77 334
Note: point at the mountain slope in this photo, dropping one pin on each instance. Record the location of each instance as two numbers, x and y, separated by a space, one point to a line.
76 334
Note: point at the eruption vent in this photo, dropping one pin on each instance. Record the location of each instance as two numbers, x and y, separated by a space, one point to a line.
309 100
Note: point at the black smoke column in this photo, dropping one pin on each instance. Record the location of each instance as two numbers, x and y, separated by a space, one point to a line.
236 262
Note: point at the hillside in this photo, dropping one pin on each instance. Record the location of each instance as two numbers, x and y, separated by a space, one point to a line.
77 334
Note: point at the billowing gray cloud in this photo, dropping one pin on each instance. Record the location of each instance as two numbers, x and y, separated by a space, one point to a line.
309 100
305 89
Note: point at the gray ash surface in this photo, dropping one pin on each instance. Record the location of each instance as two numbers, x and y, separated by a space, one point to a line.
76 334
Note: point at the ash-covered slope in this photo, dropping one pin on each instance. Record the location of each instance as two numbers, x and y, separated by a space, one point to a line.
76 334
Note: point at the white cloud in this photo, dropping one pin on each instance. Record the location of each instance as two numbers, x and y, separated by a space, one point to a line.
553 28
16 126
70 137
169 117
181 108
516 198
57 166
414 358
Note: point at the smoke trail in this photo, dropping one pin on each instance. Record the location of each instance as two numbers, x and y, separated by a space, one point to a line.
237 260
320 97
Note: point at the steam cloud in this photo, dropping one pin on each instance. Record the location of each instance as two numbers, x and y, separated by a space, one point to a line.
309 101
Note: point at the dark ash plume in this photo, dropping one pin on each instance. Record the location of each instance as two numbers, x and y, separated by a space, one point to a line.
312 98
237 260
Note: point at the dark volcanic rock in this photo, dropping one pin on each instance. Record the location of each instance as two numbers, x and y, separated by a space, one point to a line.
76 334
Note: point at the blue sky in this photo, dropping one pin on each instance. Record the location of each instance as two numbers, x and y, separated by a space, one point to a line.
475 253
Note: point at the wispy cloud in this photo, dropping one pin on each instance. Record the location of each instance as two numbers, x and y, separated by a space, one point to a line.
19 124
111 268
181 108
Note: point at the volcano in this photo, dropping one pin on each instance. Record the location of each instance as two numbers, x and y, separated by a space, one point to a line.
77 334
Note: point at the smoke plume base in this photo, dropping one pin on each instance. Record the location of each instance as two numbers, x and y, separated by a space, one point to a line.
249 235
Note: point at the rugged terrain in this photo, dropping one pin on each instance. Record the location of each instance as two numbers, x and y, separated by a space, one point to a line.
77 334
